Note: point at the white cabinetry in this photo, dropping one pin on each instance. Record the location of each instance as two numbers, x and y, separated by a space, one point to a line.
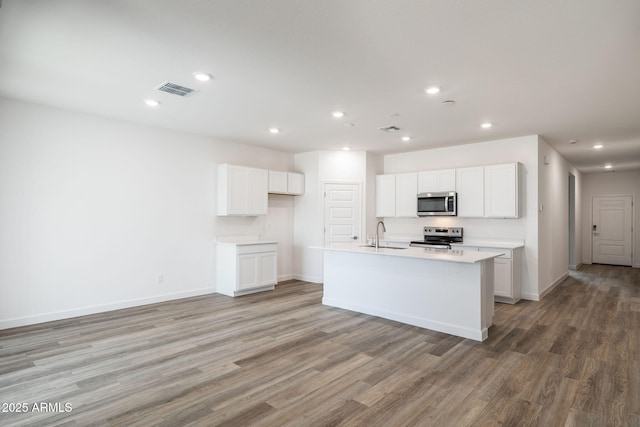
507 272
396 195
501 190
286 183
244 268
507 269
488 191
470 189
295 183
242 190
437 181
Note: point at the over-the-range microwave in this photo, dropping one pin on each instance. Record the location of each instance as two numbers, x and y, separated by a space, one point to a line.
438 204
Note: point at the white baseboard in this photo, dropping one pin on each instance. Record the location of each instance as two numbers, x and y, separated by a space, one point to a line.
530 297
553 285
305 278
575 267
285 277
636 265
83 311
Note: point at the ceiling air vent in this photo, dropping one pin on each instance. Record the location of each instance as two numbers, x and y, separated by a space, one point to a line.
390 128
176 89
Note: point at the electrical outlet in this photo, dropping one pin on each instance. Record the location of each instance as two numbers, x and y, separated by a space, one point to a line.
160 278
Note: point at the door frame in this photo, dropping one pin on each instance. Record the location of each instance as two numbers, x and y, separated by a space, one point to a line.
362 212
633 215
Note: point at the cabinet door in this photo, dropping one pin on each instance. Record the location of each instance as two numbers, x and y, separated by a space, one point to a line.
406 195
501 190
446 179
277 182
268 271
295 183
502 278
248 274
437 181
427 182
237 190
470 188
257 191
385 195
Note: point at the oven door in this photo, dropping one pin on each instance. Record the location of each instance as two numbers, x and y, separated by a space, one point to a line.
437 204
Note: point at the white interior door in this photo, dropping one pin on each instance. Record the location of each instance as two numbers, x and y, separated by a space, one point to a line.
611 230
342 214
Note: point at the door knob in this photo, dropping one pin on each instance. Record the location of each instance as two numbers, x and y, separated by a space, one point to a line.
355 237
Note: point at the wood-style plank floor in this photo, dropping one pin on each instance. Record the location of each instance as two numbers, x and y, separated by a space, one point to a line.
281 358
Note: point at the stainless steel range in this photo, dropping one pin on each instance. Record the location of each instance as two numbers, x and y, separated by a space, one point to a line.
439 237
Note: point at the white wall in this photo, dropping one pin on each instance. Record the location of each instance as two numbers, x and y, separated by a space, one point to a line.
553 225
320 167
93 210
605 184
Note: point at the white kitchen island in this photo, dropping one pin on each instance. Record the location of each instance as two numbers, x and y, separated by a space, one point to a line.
444 290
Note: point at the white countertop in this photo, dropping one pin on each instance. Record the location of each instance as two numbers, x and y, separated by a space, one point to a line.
482 243
499 244
450 255
241 242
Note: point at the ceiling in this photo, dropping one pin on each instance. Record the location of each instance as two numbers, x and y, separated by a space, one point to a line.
566 70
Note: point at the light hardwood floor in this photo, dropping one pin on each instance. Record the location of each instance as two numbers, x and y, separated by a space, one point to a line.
280 358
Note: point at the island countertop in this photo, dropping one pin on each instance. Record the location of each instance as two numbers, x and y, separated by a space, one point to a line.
450 255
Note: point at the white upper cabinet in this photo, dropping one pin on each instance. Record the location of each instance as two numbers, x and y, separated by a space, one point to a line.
295 183
501 190
242 190
407 195
385 196
396 195
470 189
286 183
436 181
490 191
277 182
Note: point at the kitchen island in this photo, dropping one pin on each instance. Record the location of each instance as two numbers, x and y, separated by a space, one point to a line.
444 290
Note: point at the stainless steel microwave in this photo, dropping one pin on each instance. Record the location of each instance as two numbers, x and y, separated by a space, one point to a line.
438 204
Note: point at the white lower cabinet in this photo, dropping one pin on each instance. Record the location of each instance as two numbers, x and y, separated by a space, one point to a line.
244 268
507 269
507 282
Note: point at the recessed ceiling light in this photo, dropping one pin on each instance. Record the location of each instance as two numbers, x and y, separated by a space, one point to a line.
486 125
608 166
406 138
274 130
346 148
152 102
337 114
598 146
203 77
573 141
432 90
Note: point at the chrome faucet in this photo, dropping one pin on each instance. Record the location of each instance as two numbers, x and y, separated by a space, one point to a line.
377 233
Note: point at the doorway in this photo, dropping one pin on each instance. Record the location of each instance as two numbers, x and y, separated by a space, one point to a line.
611 230
342 214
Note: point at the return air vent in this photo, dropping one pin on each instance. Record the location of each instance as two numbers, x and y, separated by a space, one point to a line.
175 89
390 128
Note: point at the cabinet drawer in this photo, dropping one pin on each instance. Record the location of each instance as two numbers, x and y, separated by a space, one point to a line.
258 248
